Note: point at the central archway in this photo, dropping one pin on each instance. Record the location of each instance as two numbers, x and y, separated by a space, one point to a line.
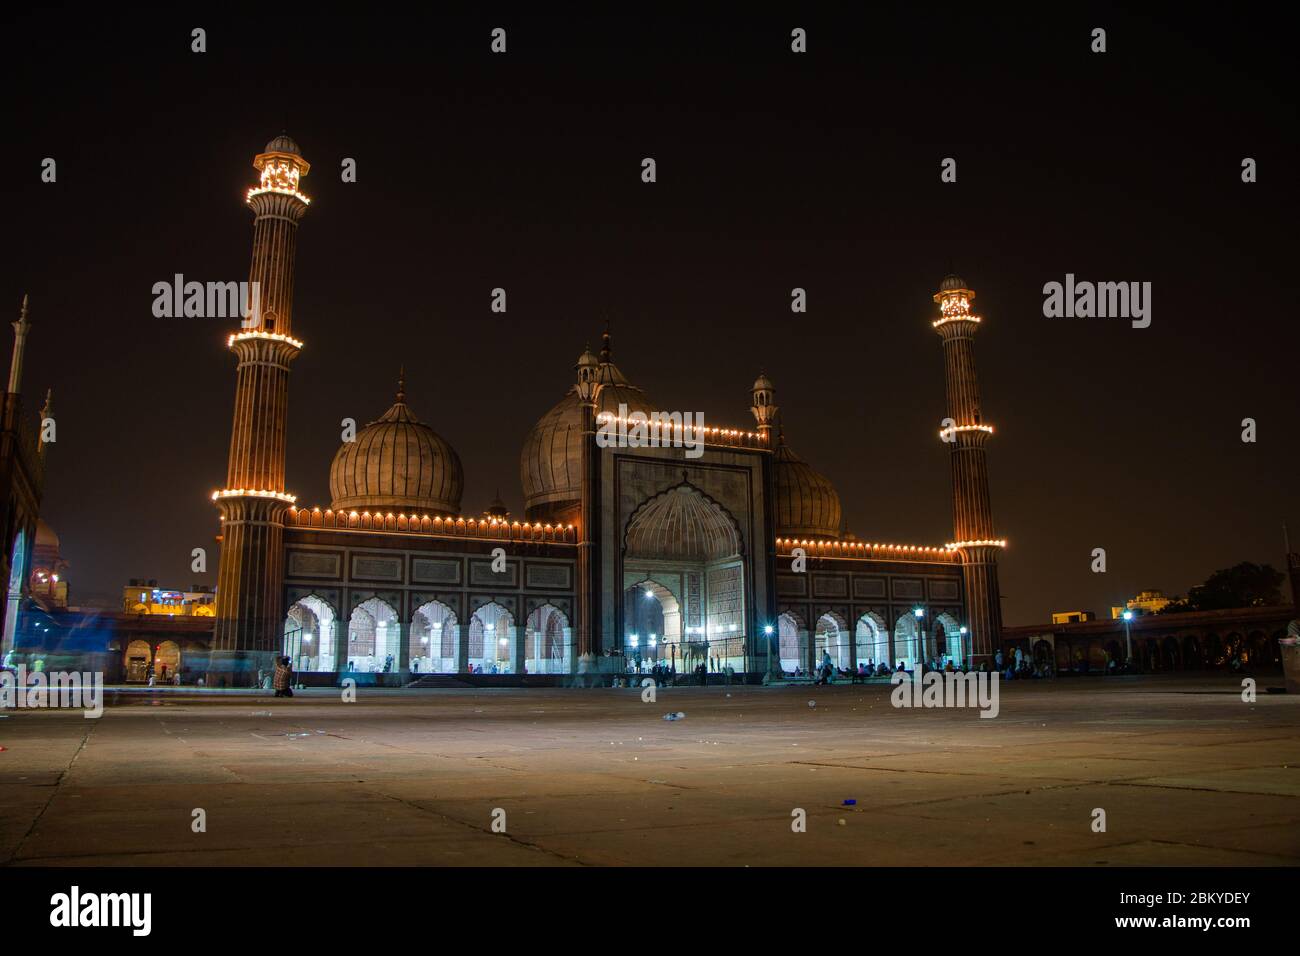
685 550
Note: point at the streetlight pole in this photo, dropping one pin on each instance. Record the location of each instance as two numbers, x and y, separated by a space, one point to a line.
767 636
919 614
1128 639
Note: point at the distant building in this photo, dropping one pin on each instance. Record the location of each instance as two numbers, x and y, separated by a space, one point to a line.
48 583
1072 617
1147 602
1176 641
142 596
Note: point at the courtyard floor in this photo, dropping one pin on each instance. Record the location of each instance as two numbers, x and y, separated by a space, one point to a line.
1186 772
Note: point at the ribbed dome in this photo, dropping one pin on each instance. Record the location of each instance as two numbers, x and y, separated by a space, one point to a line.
283 144
397 464
806 503
550 464
951 283
45 534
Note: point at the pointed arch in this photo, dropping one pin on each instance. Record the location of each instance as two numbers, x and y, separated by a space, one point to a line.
793 642
374 635
682 523
492 640
872 636
548 641
311 634
832 638
434 643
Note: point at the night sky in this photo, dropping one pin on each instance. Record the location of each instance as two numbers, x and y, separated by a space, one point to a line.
775 170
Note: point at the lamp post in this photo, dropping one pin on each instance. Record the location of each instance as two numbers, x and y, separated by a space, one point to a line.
964 656
1128 638
767 639
919 614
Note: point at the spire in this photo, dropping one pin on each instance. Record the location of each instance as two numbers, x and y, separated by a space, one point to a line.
605 351
401 386
21 328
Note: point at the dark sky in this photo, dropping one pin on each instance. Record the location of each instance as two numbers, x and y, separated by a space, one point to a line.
775 170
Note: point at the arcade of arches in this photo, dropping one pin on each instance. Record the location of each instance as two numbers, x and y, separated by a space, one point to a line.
1251 648
434 641
869 641
141 660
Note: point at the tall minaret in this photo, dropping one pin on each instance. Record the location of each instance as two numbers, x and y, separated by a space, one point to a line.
21 328
966 434
253 502
588 609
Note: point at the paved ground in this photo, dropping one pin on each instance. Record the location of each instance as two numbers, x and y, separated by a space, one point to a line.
1186 772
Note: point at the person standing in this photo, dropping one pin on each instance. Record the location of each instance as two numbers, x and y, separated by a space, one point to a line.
283 678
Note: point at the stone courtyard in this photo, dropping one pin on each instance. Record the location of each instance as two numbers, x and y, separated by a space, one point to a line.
1186 772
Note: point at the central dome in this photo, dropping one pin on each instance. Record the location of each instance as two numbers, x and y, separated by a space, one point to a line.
397 463
550 464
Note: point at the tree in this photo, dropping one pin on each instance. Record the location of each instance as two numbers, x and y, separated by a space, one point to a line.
1243 585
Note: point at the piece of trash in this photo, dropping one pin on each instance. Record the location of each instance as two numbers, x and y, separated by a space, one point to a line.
296 736
677 716
842 823
812 703
261 713
850 803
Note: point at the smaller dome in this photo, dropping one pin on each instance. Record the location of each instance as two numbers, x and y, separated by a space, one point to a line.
952 282
45 534
806 502
763 383
397 463
283 144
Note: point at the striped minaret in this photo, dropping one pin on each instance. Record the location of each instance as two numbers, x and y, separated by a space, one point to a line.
250 615
966 433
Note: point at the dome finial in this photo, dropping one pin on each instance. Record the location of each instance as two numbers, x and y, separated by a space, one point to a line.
605 351
401 385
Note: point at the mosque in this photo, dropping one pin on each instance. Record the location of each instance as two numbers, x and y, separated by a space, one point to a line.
627 554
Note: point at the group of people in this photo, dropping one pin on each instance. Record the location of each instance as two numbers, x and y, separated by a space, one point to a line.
664 673
389 663
1018 666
